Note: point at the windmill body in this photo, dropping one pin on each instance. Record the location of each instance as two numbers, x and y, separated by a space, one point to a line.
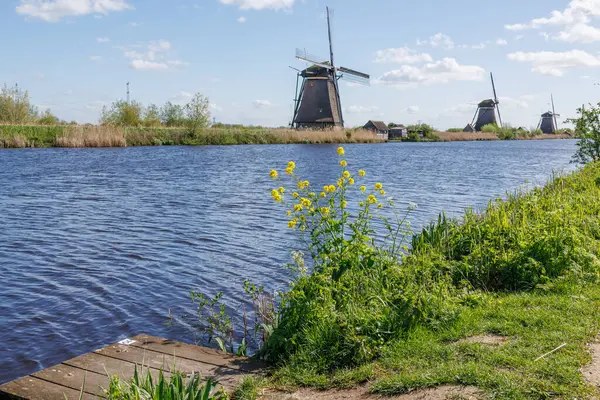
548 123
317 101
318 106
486 112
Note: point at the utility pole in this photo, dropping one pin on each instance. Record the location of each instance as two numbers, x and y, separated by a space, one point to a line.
127 92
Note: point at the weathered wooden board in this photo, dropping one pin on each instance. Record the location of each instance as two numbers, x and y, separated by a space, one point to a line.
145 352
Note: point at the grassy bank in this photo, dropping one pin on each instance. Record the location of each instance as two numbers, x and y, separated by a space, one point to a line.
19 136
475 302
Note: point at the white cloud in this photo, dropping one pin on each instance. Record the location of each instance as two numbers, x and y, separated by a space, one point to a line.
153 55
135 24
55 10
556 63
182 98
574 20
241 20
215 107
103 40
438 40
261 4
579 33
501 42
413 109
262 104
463 108
146 65
443 71
361 109
402 55
95 58
520 102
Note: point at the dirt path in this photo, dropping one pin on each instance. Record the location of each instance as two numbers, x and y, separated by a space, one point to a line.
439 393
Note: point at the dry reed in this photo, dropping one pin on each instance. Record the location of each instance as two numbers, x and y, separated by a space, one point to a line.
466 136
92 136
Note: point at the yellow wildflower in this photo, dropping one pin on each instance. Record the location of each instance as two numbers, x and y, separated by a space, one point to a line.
371 199
331 188
340 182
312 210
343 163
295 195
363 188
306 202
288 213
291 165
362 172
323 195
306 183
344 204
326 188
378 186
346 174
300 185
379 205
324 211
312 195
382 192
273 174
281 189
289 171
340 151
362 204
298 207
351 181
292 223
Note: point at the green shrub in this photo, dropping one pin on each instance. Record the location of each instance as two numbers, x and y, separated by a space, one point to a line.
177 387
490 128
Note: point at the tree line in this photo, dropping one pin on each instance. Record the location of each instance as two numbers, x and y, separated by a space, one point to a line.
193 116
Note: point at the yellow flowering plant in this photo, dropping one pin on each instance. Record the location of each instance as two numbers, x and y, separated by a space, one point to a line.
333 234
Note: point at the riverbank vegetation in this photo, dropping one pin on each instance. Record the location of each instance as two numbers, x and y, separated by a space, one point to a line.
504 300
20 136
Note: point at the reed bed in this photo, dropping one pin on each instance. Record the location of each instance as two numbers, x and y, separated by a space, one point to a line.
466 136
19 136
91 136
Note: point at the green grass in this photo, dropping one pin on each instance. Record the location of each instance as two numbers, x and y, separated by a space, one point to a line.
526 268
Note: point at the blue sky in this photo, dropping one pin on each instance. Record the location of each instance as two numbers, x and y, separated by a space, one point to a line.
429 60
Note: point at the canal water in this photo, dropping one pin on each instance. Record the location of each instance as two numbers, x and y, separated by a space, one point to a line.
100 244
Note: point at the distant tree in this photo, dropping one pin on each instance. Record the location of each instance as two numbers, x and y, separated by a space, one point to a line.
122 113
197 114
391 125
47 118
15 106
454 130
587 129
172 115
152 115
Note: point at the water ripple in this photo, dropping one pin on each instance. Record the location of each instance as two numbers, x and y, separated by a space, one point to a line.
100 244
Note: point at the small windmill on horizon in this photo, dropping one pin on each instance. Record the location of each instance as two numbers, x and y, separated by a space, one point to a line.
548 123
317 102
486 112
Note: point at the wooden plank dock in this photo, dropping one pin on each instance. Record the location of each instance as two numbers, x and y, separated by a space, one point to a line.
147 352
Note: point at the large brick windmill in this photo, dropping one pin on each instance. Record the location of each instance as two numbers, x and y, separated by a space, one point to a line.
317 102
